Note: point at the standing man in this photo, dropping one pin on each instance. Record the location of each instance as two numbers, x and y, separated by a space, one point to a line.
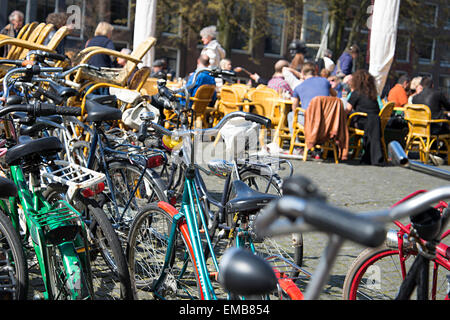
347 62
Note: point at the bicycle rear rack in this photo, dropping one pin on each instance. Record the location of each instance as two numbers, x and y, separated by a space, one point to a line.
74 176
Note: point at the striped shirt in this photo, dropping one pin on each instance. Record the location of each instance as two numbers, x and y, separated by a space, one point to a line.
278 83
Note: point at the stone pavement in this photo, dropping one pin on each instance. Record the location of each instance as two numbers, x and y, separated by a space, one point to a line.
349 185
357 188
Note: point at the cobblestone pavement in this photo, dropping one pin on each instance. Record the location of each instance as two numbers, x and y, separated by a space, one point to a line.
349 185
357 188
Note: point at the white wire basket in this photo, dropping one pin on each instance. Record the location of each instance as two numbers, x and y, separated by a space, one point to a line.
74 176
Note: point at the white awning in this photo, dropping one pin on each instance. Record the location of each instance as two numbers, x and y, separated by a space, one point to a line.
383 38
144 26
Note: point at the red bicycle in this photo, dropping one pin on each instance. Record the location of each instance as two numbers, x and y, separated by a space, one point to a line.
379 273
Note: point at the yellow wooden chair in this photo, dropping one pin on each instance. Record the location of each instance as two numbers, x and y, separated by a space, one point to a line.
356 134
419 138
200 102
117 76
268 103
231 99
22 35
37 38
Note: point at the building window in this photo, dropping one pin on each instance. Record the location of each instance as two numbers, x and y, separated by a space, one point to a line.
20 5
430 14
171 24
274 38
44 8
120 13
402 48
425 49
240 39
445 54
313 24
444 84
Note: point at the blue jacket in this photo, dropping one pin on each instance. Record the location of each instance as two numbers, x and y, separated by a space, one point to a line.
101 60
346 63
203 78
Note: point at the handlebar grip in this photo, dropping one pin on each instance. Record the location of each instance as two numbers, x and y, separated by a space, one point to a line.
356 228
53 56
47 109
69 111
258 119
142 133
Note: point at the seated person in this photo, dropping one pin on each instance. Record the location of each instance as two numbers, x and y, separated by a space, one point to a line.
436 101
202 78
158 70
277 82
398 93
363 98
311 87
337 85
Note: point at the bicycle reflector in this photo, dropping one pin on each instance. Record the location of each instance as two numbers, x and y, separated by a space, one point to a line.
92 191
155 161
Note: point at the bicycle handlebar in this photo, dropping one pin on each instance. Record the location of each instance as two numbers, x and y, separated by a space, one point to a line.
41 109
364 228
46 54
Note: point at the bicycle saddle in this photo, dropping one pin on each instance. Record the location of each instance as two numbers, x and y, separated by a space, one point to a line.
248 200
37 127
28 148
65 92
53 118
99 112
106 99
7 188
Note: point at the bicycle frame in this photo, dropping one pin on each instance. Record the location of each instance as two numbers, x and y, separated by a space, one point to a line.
44 221
97 144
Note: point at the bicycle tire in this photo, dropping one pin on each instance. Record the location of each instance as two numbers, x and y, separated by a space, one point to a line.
124 175
375 274
13 267
108 246
146 251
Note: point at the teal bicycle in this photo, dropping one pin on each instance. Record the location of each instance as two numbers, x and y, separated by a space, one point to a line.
169 249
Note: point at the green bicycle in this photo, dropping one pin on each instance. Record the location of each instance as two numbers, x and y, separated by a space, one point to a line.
55 232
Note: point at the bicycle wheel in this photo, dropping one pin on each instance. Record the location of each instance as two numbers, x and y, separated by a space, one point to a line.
111 279
124 178
287 247
376 275
146 252
13 265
